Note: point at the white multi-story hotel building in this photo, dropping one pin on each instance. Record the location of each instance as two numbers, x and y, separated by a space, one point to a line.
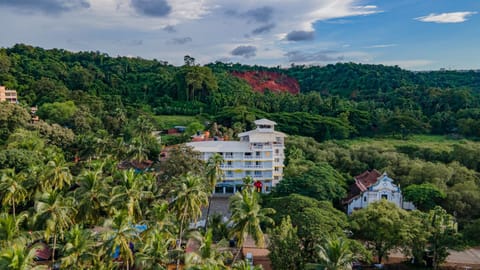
259 154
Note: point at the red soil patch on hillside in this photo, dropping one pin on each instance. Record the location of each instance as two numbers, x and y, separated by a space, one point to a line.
275 82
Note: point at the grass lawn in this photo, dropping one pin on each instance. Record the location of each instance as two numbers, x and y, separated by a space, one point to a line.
169 121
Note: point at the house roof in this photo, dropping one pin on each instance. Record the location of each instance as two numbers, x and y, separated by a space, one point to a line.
362 182
220 146
264 121
259 136
366 179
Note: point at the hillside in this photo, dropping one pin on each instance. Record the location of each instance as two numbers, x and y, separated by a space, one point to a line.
96 146
337 101
266 80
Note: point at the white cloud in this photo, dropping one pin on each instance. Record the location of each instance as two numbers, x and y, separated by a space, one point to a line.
115 27
379 46
451 17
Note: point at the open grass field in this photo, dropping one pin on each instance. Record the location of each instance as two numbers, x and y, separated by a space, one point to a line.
169 121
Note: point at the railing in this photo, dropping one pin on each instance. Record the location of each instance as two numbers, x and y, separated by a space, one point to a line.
225 166
253 166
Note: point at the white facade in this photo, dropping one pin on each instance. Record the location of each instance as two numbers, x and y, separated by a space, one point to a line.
259 154
383 188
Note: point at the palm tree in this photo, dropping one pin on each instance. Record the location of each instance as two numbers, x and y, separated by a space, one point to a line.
214 175
19 257
207 254
54 213
11 189
129 194
188 198
247 215
92 195
9 228
336 254
138 150
77 252
155 252
244 265
56 174
121 236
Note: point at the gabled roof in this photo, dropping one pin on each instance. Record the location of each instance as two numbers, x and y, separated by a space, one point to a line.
362 182
264 121
366 179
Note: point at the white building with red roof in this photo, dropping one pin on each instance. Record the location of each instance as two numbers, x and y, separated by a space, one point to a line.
371 186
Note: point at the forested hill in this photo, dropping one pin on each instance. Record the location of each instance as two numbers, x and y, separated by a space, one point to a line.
335 101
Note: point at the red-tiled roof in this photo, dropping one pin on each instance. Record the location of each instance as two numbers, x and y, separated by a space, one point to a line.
362 182
366 179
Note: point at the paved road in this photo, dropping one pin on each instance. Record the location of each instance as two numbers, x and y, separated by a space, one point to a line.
469 256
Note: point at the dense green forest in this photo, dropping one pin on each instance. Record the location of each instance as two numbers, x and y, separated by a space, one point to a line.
61 182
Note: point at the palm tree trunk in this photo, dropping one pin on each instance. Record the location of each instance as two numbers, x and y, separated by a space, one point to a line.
236 255
208 211
179 243
54 247
14 217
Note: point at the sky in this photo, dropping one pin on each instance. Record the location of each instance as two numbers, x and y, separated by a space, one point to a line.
413 34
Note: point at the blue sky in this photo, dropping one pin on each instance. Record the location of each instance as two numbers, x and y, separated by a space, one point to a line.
414 34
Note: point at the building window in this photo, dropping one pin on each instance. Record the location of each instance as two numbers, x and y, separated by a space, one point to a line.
385 196
364 198
276 169
219 190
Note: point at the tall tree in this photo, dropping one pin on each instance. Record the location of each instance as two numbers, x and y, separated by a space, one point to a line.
54 214
214 175
285 247
247 216
56 174
19 257
129 193
11 189
443 234
9 228
335 254
92 195
119 238
381 224
424 196
77 250
207 255
189 196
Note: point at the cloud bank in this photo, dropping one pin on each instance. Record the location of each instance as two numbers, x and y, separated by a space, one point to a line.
300 35
245 51
46 6
154 8
451 17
